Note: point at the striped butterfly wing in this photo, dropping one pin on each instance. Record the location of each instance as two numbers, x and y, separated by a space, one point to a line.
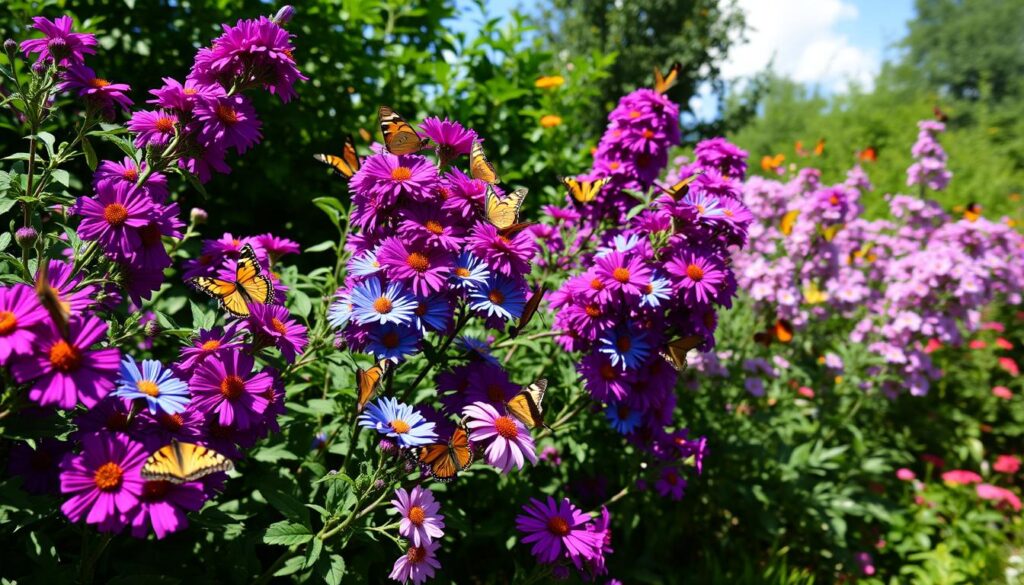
399 136
460 449
347 164
584 191
480 167
504 213
663 83
184 462
249 276
527 405
681 188
675 352
49 298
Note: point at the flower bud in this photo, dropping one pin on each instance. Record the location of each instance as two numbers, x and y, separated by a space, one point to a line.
198 216
285 14
378 485
40 67
11 46
26 236
151 329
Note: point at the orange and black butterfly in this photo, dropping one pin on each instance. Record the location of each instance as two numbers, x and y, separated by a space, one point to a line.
939 114
444 461
347 164
972 212
528 311
819 148
584 191
528 404
781 331
680 189
249 285
369 381
666 82
675 352
869 154
480 167
399 136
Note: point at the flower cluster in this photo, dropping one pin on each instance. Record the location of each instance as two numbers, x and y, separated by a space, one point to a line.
558 531
421 525
929 168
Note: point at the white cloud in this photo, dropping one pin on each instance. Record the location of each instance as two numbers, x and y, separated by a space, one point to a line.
802 38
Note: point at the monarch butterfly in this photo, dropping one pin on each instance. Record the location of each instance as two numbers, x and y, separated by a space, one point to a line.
869 154
675 352
781 331
480 167
249 286
665 83
814 295
504 213
788 222
527 404
443 461
399 137
182 462
584 191
528 311
771 163
347 164
369 381
680 189
50 299
972 212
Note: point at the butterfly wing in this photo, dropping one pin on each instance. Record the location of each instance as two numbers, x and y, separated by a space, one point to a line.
527 404
504 213
50 299
528 311
399 136
460 449
680 189
663 83
584 191
829 233
347 164
788 222
783 331
225 291
480 167
249 277
184 462
369 382
675 352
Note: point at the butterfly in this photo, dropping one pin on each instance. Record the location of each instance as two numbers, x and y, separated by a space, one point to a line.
814 295
829 233
869 154
680 189
527 404
183 462
503 213
480 167
972 212
584 191
771 163
940 115
819 148
347 164
864 252
399 137
675 352
665 83
369 381
799 148
528 311
50 299
443 461
781 331
788 222
249 286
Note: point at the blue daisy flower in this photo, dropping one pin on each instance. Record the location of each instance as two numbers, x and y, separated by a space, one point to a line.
477 347
707 206
372 304
657 290
158 386
499 296
620 243
625 346
433 312
364 265
392 342
623 419
469 271
340 310
399 421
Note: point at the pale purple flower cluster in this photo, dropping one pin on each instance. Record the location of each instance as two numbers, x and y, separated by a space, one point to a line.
929 168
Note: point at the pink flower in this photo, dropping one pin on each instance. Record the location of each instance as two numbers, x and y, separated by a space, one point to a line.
555 528
1010 366
1008 464
933 346
960 477
510 443
420 521
977 344
993 326
417 564
1002 392
904 474
867 564
805 392
1004 343
1002 496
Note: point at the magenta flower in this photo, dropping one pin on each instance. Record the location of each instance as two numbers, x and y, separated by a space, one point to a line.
509 256
422 269
430 226
228 388
420 521
163 505
417 564
97 92
66 371
20 312
670 484
451 138
387 177
182 98
630 275
64 47
227 122
509 441
700 277
275 323
104 481
275 246
113 218
156 128
960 477
557 529
1001 496
124 175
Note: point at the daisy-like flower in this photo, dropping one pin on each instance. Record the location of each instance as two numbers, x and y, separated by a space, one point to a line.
389 177
670 484
209 343
372 304
182 98
620 243
477 349
203 160
626 346
156 128
451 138
113 218
66 48
700 277
398 421
604 381
340 311
418 564
163 506
433 312
104 480
655 292
20 312
556 528
275 323
509 443
96 91
154 384
623 419
364 264
123 176
469 271
420 521
499 297
431 226
276 246
619 272
227 121
423 269
65 370
226 387
509 256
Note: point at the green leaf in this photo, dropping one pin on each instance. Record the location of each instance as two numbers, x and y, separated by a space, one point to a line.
331 569
313 552
332 207
47 139
5 240
90 154
61 176
6 205
287 533
292 508
321 247
301 303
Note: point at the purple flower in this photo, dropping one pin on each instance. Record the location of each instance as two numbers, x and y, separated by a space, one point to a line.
720 154
387 177
451 138
38 468
619 272
64 47
20 313
124 175
104 481
113 218
182 98
509 256
417 564
228 388
162 507
227 122
424 270
420 521
275 323
65 371
557 529
702 278
276 247
429 225
153 128
509 441
392 342
97 92
670 484
202 161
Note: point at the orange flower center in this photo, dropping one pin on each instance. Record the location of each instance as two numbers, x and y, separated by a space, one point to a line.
418 262
401 174
130 174
647 133
506 427
434 227
695 272
64 357
621 274
98 82
7 322
614 165
623 411
608 372
634 114
115 214
624 343
211 345
593 310
399 426
390 340
108 476
417 515
496 297
416 554
382 305
648 288
227 114
232 387
190 91
172 422
278 326
164 124
558 526
700 209
148 387
833 200
462 272
596 284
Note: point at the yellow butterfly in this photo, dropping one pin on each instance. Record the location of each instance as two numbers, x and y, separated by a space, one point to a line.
584 191
480 167
347 164
369 381
399 137
680 189
788 221
675 352
665 83
527 404
504 213
814 295
184 462
829 233
249 286
864 252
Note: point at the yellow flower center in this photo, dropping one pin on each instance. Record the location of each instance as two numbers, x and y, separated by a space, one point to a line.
417 515
148 387
64 357
108 476
695 272
401 174
232 387
8 322
621 274
399 426
506 427
382 305
278 326
418 262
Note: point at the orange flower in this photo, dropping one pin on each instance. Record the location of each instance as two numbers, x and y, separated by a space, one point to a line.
549 81
550 121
